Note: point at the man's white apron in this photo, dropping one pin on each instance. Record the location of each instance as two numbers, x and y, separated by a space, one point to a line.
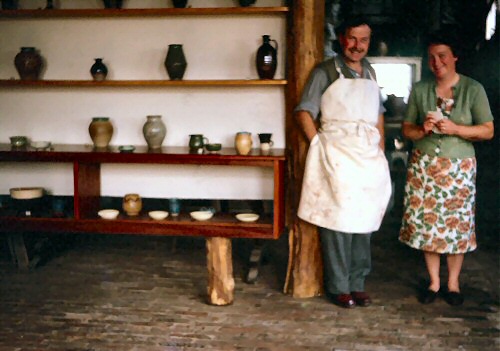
347 183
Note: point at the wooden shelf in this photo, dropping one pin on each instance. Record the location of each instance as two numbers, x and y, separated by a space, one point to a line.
87 163
141 83
154 12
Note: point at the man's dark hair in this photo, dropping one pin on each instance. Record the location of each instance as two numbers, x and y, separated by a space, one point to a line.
445 36
351 22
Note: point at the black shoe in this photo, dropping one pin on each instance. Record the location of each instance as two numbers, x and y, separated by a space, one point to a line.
454 298
427 296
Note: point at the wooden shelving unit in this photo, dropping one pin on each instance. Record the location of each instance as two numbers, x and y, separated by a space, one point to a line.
141 83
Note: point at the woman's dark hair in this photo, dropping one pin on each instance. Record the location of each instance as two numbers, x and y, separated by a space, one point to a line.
445 36
351 22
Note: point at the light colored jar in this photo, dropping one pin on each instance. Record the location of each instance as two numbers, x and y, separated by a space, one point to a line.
101 131
154 131
132 204
243 143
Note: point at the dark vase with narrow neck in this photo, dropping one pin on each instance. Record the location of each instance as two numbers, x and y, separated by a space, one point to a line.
266 59
99 71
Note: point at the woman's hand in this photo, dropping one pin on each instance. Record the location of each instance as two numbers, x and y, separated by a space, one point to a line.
447 127
431 119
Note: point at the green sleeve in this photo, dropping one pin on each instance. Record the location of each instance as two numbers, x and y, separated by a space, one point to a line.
480 109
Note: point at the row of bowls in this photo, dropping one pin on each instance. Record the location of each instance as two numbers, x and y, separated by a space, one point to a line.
196 215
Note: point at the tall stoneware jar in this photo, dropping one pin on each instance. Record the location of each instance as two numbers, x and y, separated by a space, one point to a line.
243 143
28 63
154 131
175 62
101 131
266 58
132 204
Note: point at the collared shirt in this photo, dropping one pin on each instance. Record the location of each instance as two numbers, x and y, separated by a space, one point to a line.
319 81
471 107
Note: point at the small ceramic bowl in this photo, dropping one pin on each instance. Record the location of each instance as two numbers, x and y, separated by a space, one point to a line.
40 145
158 215
18 141
247 217
126 148
213 147
108 213
201 215
26 193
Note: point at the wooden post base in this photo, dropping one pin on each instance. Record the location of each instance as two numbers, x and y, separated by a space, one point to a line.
18 251
220 271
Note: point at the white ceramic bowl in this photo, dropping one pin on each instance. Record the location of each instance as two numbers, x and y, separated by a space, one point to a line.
247 217
158 215
26 193
108 213
40 145
201 215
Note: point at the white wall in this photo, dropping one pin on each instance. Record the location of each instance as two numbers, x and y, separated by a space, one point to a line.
216 47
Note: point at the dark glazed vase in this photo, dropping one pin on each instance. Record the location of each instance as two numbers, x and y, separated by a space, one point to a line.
28 63
266 59
246 3
175 63
113 4
180 3
99 71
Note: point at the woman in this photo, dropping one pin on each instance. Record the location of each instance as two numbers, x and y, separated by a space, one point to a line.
444 116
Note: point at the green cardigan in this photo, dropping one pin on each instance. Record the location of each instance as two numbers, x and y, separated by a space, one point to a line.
471 108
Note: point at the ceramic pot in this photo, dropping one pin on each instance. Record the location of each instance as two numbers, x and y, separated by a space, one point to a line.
132 204
245 3
9 4
266 58
28 63
243 143
99 71
180 3
101 131
396 107
154 131
113 4
175 62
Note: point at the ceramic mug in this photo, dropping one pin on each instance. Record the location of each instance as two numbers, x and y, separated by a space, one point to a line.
265 138
197 141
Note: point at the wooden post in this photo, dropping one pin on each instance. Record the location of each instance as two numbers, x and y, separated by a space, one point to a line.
305 47
18 251
220 271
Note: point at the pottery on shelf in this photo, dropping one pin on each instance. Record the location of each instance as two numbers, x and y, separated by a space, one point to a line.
101 131
180 3
266 58
99 71
113 4
175 62
245 3
243 143
9 4
28 63
154 131
132 204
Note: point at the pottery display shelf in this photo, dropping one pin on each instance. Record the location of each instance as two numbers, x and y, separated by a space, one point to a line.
153 12
87 163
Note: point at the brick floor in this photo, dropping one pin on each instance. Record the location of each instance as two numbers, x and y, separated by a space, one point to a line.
135 293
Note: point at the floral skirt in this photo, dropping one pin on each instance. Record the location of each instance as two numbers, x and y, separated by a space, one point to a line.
439 204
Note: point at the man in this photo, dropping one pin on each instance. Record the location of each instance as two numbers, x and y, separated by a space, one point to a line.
346 186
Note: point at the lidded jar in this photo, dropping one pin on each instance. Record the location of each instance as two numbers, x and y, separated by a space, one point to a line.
243 143
28 63
154 131
101 131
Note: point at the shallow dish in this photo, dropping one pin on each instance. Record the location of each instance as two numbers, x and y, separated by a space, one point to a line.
126 148
247 217
40 145
201 215
26 193
108 213
158 215
213 147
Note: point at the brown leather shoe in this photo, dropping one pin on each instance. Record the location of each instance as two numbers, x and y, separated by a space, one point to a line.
361 298
342 300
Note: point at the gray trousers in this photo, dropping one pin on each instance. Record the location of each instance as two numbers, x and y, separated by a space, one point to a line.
346 260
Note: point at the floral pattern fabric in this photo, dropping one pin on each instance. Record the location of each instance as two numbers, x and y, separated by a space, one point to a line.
440 204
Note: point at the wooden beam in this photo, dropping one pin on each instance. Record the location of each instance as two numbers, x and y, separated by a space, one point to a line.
305 43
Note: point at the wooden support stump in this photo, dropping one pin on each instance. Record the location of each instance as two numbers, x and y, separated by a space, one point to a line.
220 271
18 251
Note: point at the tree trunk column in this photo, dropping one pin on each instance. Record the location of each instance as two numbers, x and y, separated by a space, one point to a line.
220 271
